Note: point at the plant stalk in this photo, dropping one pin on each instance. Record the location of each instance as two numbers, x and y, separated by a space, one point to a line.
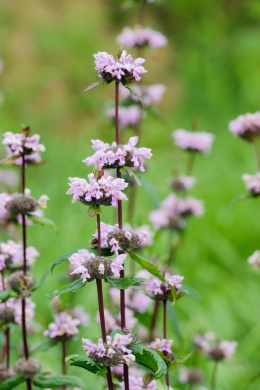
153 321
256 153
63 357
165 333
214 376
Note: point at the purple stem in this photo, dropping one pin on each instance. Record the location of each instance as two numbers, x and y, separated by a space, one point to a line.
101 307
25 344
164 333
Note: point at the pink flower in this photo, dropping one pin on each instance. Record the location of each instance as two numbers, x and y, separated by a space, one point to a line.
134 299
12 253
202 341
137 383
4 199
183 183
16 304
105 191
8 177
162 345
150 95
141 37
252 183
64 325
117 264
18 144
79 313
111 156
123 69
254 259
127 116
162 290
193 141
246 126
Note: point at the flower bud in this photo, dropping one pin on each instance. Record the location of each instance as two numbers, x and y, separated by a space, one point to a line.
125 239
21 204
27 368
6 373
20 282
6 314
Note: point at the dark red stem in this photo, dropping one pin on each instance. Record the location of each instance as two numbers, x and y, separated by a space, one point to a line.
165 333
63 363
153 321
7 337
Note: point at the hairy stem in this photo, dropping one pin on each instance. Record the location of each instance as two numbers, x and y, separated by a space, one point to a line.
214 376
101 306
165 333
257 156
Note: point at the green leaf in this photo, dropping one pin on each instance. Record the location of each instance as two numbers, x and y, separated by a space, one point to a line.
44 346
179 360
93 85
238 198
94 210
114 332
149 358
133 92
6 294
72 287
104 252
11 383
161 384
86 363
43 280
42 221
153 269
252 381
124 283
132 175
57 380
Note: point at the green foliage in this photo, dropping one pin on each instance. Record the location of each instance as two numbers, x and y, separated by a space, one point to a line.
86 363
42 221
57 380
6 294
72 287
123 283
11 383
179 360
149 358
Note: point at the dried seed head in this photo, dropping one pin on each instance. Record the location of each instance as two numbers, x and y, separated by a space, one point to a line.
27 368
126 240
20 282
21 204
6 373
6 315
94 266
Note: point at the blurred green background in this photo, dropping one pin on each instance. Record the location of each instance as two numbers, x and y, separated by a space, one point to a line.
211 70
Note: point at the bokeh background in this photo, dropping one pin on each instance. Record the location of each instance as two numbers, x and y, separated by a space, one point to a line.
211 70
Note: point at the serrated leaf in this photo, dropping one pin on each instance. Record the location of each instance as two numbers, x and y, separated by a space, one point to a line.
94 210
6 294
124 283
149 358
42 221
86 363
11 383
58 380
72 287
153 269
94 85
104 252
133 175
161 384
44 346
179 360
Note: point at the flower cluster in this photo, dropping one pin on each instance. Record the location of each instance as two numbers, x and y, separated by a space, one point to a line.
105 191
182 183
215 349
173 211
123 69
114 322
92 267
139 36
20 144
150 95
252 183
139 383
164 346
64 326
120 240
11 253
162 290
134 299
254 259
11 311
111 353
114 156
129 116
192 376
246 126
200 142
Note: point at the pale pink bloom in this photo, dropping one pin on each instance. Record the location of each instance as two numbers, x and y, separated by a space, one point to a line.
64 325
150 95
123 68
79 313
162 345
8 177
127 116
137 383
16 304
4 199
193 141
43 201
228 348
254 259
139 36
182 182
190 206
117 264
159 288
108 155
252 183
18 144
202 341
246 126
134 299
143 231
110 320
94 190
13 253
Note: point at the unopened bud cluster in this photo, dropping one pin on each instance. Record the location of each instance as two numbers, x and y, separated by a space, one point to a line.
20 282
27 368
21 205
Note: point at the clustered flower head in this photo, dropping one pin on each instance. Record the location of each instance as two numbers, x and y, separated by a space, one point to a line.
173 210
91 267
135 299
139 383
252 183
11 310
129 116
200 142
215 349
120 240
246 126
201 341
162 290
164 346
111 353
182 183
64 326
11 253
139 36
105 191
21 144
114 156
192 376
123 69
114 321
150 95
254 259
